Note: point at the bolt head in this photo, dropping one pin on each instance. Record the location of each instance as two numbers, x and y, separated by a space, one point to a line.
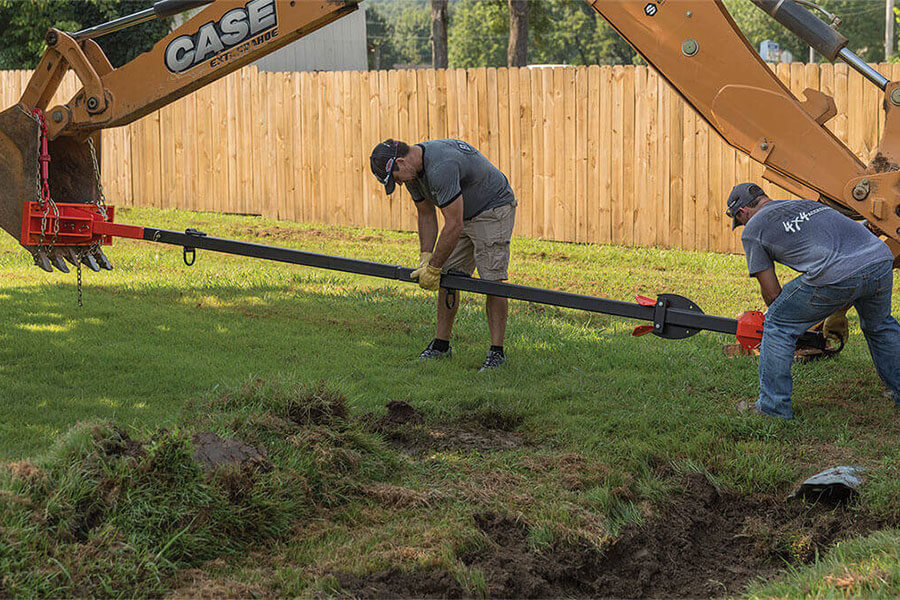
689 47
689 14
57 116
895 96
92 103
764 146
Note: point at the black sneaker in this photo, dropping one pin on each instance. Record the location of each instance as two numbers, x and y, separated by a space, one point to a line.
493 360
430 353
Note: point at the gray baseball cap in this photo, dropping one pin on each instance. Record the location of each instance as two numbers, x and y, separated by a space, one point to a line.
741 195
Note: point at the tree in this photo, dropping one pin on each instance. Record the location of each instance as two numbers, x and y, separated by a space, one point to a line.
559 32
412 33
517 51
379 40
25 22
439 11
479 34
863 25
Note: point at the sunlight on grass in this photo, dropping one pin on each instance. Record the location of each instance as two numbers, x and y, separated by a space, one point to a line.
155 338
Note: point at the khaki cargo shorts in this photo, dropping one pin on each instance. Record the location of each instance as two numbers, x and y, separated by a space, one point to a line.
484 244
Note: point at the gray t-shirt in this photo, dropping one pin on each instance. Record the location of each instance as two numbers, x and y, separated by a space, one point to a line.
811 238
453 167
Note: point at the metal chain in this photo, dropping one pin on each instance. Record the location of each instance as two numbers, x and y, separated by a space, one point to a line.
101 201
78 270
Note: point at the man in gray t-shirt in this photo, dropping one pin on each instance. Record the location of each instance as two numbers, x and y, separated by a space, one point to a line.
841 264
479 210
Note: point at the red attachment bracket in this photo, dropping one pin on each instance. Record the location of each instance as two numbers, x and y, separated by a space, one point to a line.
750 329
79 225
643 329
645 301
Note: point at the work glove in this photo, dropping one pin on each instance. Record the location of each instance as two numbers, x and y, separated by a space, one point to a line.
836 326
424 257
429 277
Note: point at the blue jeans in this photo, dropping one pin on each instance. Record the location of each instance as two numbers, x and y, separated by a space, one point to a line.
800 306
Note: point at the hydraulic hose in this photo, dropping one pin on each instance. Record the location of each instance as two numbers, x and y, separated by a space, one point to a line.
805 25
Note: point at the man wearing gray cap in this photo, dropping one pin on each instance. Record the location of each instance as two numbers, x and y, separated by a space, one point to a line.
841 264
479 211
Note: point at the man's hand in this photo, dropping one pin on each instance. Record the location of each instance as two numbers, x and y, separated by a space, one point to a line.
836 326
429 277
424 257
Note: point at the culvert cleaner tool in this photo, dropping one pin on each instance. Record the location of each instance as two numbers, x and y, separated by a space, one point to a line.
668 316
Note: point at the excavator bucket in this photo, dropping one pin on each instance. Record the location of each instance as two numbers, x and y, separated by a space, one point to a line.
19 166
72 179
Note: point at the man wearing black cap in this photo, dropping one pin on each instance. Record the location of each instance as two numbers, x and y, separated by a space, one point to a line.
479 210
841 264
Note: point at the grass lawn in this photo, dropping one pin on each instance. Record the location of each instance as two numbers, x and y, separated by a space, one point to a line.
586 436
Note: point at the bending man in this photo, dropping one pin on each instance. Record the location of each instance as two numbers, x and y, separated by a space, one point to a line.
841 264
479 210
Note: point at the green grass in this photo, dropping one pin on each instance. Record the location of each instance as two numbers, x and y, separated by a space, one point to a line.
156 340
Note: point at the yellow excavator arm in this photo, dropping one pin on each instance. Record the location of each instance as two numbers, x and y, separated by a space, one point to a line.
699 49
223 37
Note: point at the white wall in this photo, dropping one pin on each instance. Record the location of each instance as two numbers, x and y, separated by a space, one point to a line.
339 46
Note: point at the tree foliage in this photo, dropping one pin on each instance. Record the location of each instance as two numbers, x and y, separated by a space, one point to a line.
479 33
560 32
25 22
398 32
863 25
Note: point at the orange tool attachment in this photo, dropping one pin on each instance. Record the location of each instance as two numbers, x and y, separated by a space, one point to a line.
750 329
78 225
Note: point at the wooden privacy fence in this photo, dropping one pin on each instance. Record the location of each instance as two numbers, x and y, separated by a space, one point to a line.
604 154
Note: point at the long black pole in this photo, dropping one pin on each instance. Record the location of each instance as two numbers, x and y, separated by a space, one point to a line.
688 319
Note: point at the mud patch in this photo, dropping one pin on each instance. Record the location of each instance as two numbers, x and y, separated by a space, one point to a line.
706 544
120 444
406 430
399 584
212 451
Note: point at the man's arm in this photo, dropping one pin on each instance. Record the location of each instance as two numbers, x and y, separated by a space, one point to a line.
453 224
428 225
768 285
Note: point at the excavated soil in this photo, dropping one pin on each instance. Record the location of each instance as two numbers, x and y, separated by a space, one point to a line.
405 429
212 451
705 544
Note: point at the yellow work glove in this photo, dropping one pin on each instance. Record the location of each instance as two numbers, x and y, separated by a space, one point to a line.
429 277
836 326
424 257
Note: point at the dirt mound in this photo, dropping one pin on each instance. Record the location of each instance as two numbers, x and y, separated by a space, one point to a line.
405 428
711 544
211 451
707 544
317 405
399 584
121 444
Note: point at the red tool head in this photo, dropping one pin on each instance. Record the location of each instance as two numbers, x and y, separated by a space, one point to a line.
750 329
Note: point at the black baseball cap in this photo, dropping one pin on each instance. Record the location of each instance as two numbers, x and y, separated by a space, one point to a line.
382 160
741 195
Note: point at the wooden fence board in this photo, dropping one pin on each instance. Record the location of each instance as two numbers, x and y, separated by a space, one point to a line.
594 154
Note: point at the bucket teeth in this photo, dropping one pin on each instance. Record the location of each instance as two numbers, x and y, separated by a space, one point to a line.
57 259
90 261
71 255
42 260
102 260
